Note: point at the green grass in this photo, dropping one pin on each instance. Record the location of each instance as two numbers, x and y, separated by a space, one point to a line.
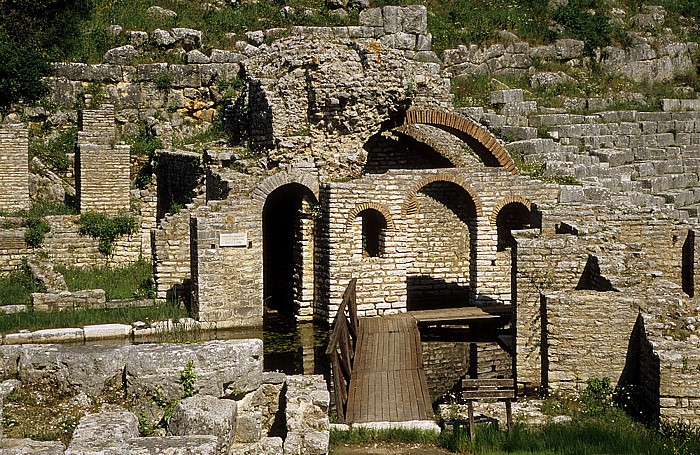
134 281
613 433
16 287
35 320
357 435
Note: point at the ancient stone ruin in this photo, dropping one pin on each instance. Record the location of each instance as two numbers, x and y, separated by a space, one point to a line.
347 160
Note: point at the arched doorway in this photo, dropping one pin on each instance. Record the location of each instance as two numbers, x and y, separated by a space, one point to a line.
288 246
442 247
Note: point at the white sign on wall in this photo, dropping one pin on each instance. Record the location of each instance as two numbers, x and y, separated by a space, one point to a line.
234 239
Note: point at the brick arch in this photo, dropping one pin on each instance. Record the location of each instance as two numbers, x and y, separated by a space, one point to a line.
506 201
491 152
457 159
410 205
270 184
371 205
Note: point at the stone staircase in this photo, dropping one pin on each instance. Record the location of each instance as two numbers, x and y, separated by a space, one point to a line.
650 159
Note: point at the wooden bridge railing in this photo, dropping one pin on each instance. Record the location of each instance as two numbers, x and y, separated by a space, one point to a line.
341 348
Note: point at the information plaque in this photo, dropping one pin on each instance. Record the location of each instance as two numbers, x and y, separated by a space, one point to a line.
238 239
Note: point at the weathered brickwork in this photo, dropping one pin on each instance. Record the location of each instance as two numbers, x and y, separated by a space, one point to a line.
14 167
98 155
12 249
64 245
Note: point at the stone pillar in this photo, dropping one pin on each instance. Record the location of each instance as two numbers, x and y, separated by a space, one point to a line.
103 173
14 167
104 178
305 297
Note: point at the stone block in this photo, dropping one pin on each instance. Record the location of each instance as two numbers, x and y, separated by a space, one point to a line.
107 331
372 17
223 368
120 55
9 446
172 445
266 446
67 335
249 425
88 369
107 432
205 415
506 96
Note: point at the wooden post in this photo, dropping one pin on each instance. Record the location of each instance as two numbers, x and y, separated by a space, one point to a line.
470 409
509 416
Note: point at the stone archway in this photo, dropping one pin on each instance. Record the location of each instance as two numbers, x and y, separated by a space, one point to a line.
490 151
288 251
441 232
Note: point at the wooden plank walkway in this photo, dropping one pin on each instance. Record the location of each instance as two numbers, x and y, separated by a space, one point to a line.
388 382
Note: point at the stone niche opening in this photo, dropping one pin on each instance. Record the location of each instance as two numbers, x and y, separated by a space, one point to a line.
373 231
441 247
514 216
288 245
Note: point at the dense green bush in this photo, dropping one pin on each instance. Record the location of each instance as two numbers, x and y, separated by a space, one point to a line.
593 29
106 229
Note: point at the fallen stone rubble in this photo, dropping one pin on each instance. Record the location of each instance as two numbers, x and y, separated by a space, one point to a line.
237 409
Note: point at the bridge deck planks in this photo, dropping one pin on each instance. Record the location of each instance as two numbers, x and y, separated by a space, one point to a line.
388 383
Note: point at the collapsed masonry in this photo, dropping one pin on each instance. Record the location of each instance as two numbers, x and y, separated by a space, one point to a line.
355 165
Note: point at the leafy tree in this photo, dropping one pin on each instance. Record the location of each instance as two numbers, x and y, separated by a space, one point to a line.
21 74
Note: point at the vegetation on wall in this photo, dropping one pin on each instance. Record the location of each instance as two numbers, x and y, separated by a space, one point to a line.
33 219
106 229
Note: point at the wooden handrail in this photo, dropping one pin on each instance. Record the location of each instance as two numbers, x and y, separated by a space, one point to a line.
341 348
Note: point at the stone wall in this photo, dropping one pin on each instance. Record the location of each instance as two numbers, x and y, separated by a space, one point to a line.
649 59
588 335
227 280
14 167
382 281
12 249
64 245
65 300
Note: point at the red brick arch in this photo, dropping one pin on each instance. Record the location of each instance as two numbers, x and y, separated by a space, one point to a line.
374 206
491 152
506 201
410 205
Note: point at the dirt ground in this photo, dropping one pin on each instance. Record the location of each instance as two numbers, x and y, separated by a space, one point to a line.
378 448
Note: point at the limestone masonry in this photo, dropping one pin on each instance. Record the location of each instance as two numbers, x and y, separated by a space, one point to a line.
347 160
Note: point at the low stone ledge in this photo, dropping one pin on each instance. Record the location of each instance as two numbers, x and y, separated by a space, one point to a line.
224 368
13 309
266 446
107 332
106 432
9 446
69 335
173 445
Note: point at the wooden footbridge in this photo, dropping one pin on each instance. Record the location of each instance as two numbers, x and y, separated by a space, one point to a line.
377 363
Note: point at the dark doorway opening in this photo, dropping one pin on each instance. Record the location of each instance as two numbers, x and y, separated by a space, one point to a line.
512 217
287 249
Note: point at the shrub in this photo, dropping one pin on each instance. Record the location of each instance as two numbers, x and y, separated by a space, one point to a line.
37 228
54 152
164 80
593 29
106 229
